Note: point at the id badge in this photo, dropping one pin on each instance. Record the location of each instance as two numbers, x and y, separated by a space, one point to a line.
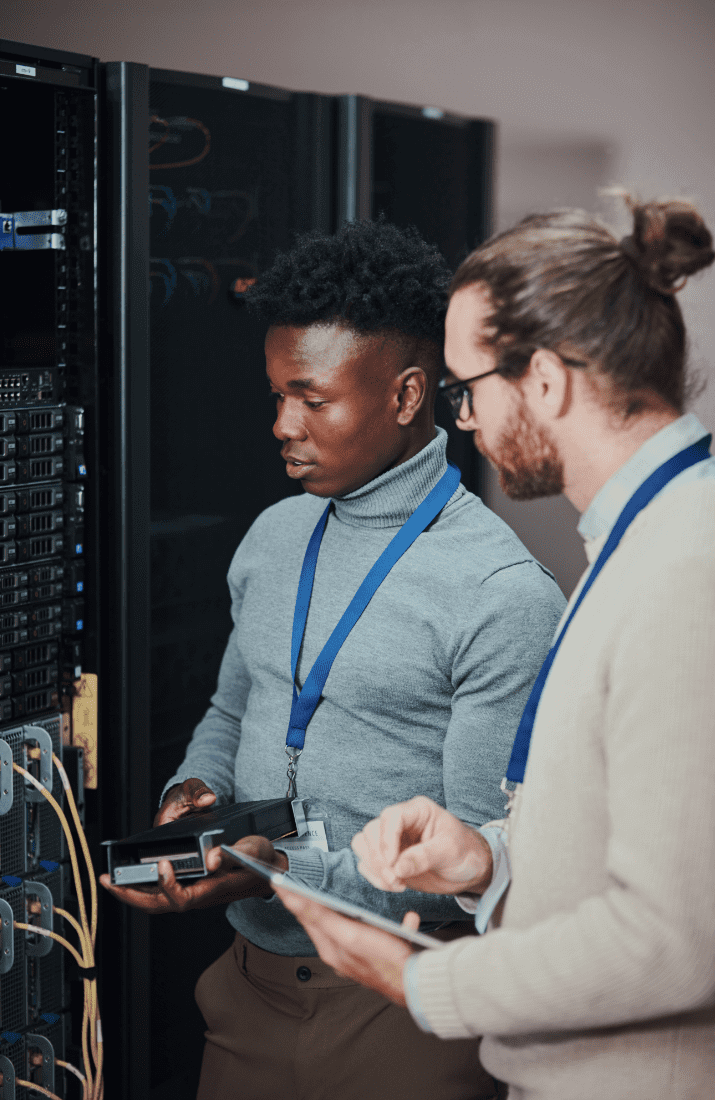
315 837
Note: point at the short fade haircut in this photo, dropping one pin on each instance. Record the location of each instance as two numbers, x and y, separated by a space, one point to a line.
374 276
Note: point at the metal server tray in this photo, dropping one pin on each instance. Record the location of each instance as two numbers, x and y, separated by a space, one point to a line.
186 841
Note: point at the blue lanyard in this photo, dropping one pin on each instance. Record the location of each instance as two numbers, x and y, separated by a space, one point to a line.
697 452
304 705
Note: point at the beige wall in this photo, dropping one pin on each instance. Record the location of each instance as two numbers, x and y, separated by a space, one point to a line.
586 92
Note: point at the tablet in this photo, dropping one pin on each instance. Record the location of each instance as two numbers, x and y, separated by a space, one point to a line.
279 878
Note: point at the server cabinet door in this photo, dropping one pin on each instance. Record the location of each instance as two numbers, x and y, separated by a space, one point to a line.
205 179
234 173
424 167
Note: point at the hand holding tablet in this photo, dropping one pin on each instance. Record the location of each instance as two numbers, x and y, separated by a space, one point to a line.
346 908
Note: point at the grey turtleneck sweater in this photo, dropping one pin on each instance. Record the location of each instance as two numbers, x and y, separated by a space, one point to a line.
423 698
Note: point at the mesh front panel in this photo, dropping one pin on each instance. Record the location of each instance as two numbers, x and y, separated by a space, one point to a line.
47 840
13 836
13 985
45 973
55 1028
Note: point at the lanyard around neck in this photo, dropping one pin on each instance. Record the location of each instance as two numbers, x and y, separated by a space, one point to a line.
304 705
696 452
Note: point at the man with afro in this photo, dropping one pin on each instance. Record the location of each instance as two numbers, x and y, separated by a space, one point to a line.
424 696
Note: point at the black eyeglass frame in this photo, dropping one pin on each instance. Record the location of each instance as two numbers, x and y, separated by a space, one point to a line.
463 385
456 393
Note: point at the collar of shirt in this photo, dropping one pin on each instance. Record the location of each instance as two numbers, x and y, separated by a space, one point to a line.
390 499
598 519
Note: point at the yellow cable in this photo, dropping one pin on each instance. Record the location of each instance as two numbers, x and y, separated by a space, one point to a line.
37 1088
70 842
52 936
90 1005
78 1074
93 1026
95 1041
77 927
83 842
85 1041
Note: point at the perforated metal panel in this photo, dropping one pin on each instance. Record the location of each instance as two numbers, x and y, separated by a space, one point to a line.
55 1027
13 985
45 974
13 834
12 1046
46 839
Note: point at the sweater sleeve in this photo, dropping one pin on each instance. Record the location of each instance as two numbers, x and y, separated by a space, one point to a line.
497 657
211 753
643 946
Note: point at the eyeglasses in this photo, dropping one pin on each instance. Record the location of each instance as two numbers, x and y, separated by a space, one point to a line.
456 393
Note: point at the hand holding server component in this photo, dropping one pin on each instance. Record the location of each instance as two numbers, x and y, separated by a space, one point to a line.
185 842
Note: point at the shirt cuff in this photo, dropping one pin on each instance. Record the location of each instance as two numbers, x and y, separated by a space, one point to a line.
482 908
409 980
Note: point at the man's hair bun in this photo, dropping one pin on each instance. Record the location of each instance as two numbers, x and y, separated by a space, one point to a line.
669 242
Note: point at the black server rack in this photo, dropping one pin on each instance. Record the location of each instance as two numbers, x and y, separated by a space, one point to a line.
206 179
48 530
232 171
145 202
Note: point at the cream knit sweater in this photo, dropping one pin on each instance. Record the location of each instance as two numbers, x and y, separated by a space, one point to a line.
600 982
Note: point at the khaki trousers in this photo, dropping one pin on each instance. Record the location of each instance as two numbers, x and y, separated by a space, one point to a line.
291 1029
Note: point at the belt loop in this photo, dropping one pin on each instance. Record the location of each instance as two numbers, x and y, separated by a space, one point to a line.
245 968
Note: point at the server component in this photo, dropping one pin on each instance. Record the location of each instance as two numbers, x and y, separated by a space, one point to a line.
45 839
44 958
48 371
45 1046
12 1062
28 387
13 982
185 842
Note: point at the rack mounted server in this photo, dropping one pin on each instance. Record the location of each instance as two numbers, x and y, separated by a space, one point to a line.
48 366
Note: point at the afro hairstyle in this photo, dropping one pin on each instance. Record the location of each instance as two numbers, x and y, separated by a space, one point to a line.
374 276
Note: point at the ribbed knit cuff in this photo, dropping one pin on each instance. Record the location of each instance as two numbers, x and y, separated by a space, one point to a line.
432 982
306 866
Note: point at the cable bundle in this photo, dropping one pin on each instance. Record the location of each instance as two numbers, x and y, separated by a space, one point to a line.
92 1079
